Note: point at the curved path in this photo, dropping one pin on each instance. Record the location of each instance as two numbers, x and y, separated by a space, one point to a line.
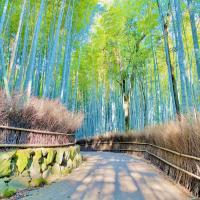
107 176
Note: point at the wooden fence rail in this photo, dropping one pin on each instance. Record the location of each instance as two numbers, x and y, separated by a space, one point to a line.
140 143
11 136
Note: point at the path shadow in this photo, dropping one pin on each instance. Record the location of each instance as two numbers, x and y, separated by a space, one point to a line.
109 176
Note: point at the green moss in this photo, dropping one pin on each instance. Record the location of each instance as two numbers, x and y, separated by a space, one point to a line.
72 153
38 156
35 168
7 155
60 156
65 171
5 163
5 168
8 192
51 156
44 165
37 182
23 157
66 157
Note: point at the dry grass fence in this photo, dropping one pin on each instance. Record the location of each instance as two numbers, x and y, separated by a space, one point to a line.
36 121
11 137
35 113
174 147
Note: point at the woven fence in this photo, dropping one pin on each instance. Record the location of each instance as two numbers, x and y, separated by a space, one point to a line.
19 137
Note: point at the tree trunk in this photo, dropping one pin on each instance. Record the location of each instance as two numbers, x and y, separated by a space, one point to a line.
31 59
2 61
194 37
126 104
68 49
181 56
15 48
171 73
126 107
144 97
49 76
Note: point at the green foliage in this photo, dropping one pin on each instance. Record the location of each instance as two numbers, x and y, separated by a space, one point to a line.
118 44
65 171
8 192
116 48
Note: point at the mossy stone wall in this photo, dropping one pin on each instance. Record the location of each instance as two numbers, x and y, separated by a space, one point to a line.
38 166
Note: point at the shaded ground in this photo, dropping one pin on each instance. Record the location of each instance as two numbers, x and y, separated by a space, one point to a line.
107 176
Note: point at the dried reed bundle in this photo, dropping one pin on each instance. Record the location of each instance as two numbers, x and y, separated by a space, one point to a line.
35 113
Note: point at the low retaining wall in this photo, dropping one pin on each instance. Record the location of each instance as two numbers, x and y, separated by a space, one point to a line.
11 135
38 166
185 169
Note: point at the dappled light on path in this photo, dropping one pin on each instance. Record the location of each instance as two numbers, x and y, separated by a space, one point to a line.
108 176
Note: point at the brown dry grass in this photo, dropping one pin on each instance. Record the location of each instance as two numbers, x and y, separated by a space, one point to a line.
181 136
41 114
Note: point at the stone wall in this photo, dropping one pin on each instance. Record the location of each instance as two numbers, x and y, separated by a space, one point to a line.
34 167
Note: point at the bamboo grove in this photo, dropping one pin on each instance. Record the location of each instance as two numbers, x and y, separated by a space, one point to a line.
125 64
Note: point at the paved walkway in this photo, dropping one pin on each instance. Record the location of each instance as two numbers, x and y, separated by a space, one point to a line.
107 176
